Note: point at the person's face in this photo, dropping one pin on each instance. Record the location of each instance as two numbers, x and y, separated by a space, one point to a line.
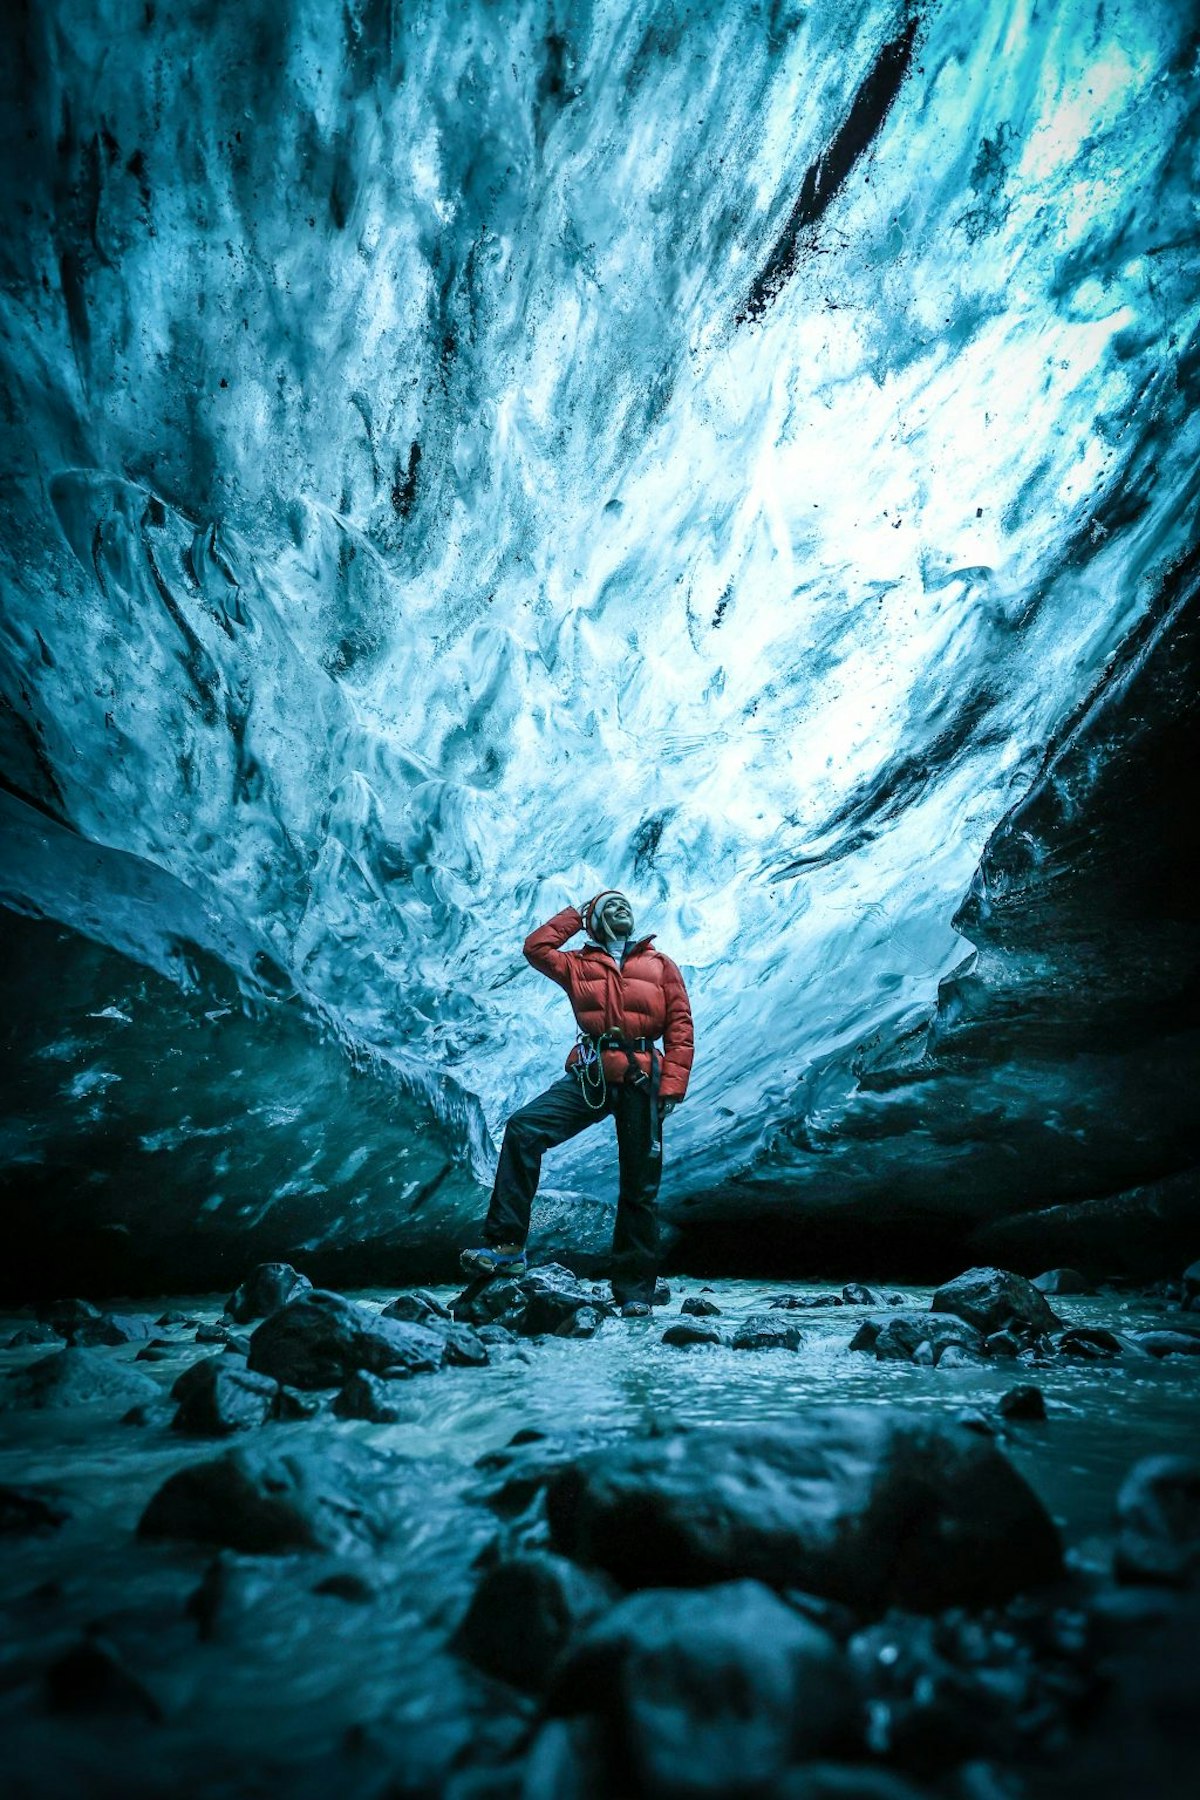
616 916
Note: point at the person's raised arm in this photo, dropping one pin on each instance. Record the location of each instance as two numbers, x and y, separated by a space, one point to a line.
543 947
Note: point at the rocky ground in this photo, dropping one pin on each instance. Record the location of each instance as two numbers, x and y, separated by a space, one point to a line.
783 1543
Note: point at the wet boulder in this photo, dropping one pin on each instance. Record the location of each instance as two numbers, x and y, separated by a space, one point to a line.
1063 1281
708 1693
762 1332
1190 1288
1167 1343
540 1302
28 1510
29 1335
321 1338
110 1329
804 1302
1023 1402
685 1334
64 1315
524 1612
371 1397
1087 1343
902 1333
552 1296
1158 1522
850 1504
867 1336
488 1302
223 1397
661 1295
584 1322
415 1307
265 1502
231 1595
697 1307
990 1299
74 1377
855 1293
267 1288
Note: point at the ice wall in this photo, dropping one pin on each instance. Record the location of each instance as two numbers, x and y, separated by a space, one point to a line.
455 457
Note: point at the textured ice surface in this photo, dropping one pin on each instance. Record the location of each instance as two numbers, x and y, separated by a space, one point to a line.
456 457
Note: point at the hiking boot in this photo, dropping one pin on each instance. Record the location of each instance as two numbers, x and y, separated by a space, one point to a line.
487 1260
635 1309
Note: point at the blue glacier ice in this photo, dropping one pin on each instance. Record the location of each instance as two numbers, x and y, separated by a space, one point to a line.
457 457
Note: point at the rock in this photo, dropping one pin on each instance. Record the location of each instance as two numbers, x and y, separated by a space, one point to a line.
697 1307
539 1302
265 1502
154 1412
415 1308
487 1302
158 1351
79 1378
1158 1522
685 1334
1002 1346
523 1613
462 1346
33 1334
221 1399
761 1332
370 1397
803 1302
865 1507
295 1405
957 1356
1190 1287
661 1295
346 1584
898 1337
552 1296
1167 1343
230 1595
710 1693
855 1294
91 1678
585 1322
267 1288
64 1314
971 1419
1063 1281
495 1334
1087 1343
866 1336
212 1334
237 1344
176 1318
24 1510
320 1339
110 1329
1023 1402
989 1299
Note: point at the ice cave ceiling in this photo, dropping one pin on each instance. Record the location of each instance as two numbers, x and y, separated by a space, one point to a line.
457 457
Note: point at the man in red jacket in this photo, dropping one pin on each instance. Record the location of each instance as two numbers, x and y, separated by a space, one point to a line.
625 995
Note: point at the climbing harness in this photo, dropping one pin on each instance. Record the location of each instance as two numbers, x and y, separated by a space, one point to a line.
594 1083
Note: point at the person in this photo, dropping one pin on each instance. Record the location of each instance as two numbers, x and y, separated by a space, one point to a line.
625 995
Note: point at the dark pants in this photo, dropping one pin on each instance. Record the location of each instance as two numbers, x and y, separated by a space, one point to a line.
561 1113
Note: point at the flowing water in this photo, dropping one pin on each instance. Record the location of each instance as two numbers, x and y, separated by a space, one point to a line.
292 1679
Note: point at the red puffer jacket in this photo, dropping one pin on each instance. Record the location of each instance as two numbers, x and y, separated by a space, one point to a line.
645 997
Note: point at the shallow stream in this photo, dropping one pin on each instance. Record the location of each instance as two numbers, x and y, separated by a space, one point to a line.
292 1682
